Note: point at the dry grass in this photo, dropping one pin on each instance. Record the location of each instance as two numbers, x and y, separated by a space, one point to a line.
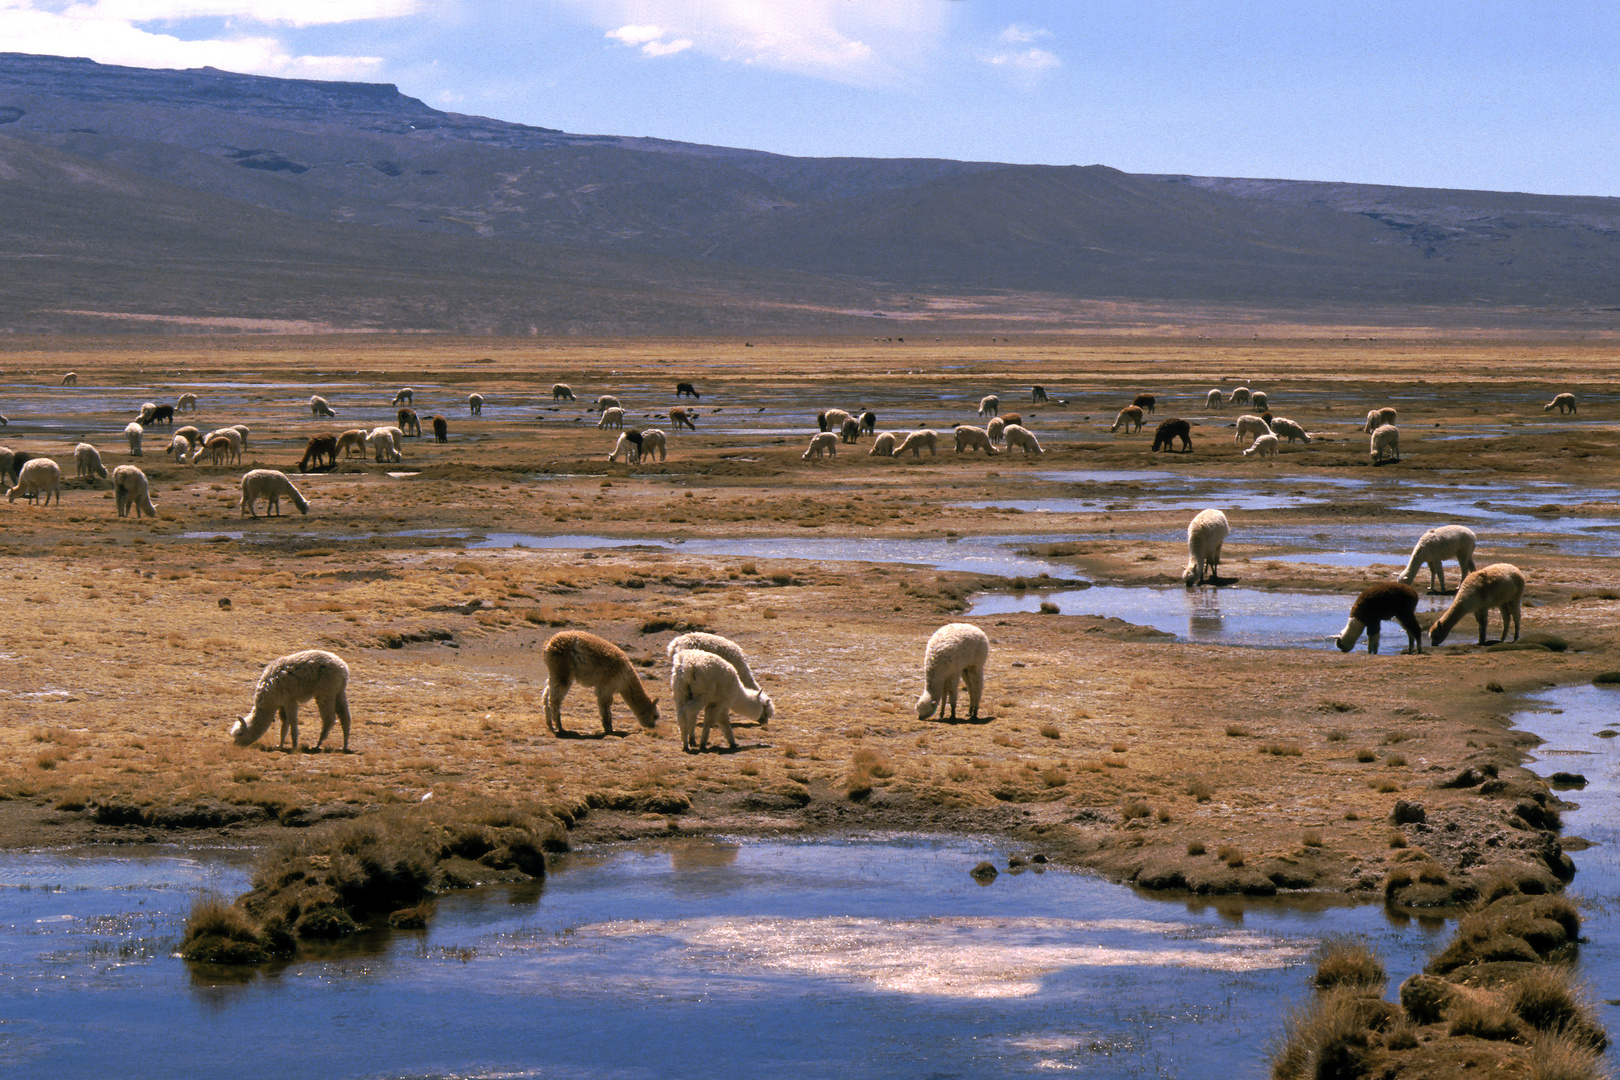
1345 963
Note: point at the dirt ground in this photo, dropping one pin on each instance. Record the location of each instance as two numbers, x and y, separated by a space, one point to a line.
130 644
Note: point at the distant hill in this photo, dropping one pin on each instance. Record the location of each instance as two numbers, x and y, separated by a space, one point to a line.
146 199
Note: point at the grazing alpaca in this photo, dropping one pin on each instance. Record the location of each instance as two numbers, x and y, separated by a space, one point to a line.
321 446
241 431
679 418
686 389
989 405
1011 418
831 419
612 418
409 424
956 651
318 407
132 432
1386 444
36 475
269 485
179 446
1286 428
87 462
1214 400
475 404
868 422
850 432
971 438
1144 402
13 463
1021 438
352 442
994 428
1433 548
1037 394
216 447
384 447
701 680
406 396
606 401
883 445
300 676
1250 426
1128 416
1264 446
1258 400
916 441
190 434
441 429
70 379
1173 429
1239 396
576 656
652 442
1205 534
156 414
722 647
1377 418
1497 586
561 392
131 490
824 442
1386 600
1564 403
186 403
629 445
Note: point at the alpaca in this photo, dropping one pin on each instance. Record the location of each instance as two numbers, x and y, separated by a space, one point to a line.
1249 426
702 680
562 392
352 442
576 656
1264 446
1022 438
216 447
1128 416
916 441
132 490
156 414
1205 534
1286 428
606 401
36 475
612 418
629 444
679 417
722 647
1386 600
406 396
883 445
321 446
686 389
70 379
301 676
241 430
1037 394
832 419
989 405
190 433
409 424
974 438
475 404
1564 403
441 429
1258 400
186 403
384 447
956 651
179 446
1497 586
1173 429
14 462
1239 396
1377 418
652 442
850 432
87 463
994 428
271 486
1011 418
132 432
1386 444
318 407
1434 548
230 434
1144 402
825 442
1214 400
868 422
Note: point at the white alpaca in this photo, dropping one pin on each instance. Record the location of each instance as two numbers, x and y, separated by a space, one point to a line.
1205 534
652 441
1386 444
406 396
1497 586
186 403
319 407
70 379
956 651
240 429
475 404
824 442
190 434
1258 400
1214 400
1249 427
284 683
269 485
916 441
1130 418
704 681
1433 548
989 405
832 419
883 445
352 442
729 650
629 445
132 432
561 392
1564 403
1021 438
216 447
1377 418
849 431
1239 396
131 490
179 446
1264 446
1289 430
38 475
383 446
611 418
87 462
971 438
606 402
994 428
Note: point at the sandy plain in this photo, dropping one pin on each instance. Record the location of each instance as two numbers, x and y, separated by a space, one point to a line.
131 644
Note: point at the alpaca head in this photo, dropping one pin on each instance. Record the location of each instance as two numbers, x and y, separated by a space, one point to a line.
649 719
242 732
767 709
925 705
1349 635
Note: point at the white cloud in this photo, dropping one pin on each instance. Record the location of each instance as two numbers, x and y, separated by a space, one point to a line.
666 48
634 35
1025 67
268 12
1020 34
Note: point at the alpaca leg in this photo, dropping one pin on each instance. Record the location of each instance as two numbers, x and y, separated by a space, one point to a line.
974 677
289 719
712 712
342 705
604 702
1372 638
1414 632
552 699
1437 576
686 720
1510 609
952 683
1483 617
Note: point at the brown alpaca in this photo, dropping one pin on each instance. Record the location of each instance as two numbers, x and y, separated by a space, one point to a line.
352 442
680 417
576 656
409 424
321 446
441 429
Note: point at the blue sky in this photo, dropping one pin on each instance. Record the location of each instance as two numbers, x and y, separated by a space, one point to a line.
1451 93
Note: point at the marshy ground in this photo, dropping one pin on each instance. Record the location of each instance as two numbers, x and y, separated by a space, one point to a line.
131 644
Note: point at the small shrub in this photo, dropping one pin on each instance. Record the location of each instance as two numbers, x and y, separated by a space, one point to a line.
873 763
1164 815
1312 838
1482 1020
1237 731
1325 1041
1548 999
1563 1056
1347 963
1395 738
1279 749
1050 731
1364 754
1395 761
1201 790
1048 608
1195 847
1397 839
1230 854
1134 809
1336 735
1384 787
